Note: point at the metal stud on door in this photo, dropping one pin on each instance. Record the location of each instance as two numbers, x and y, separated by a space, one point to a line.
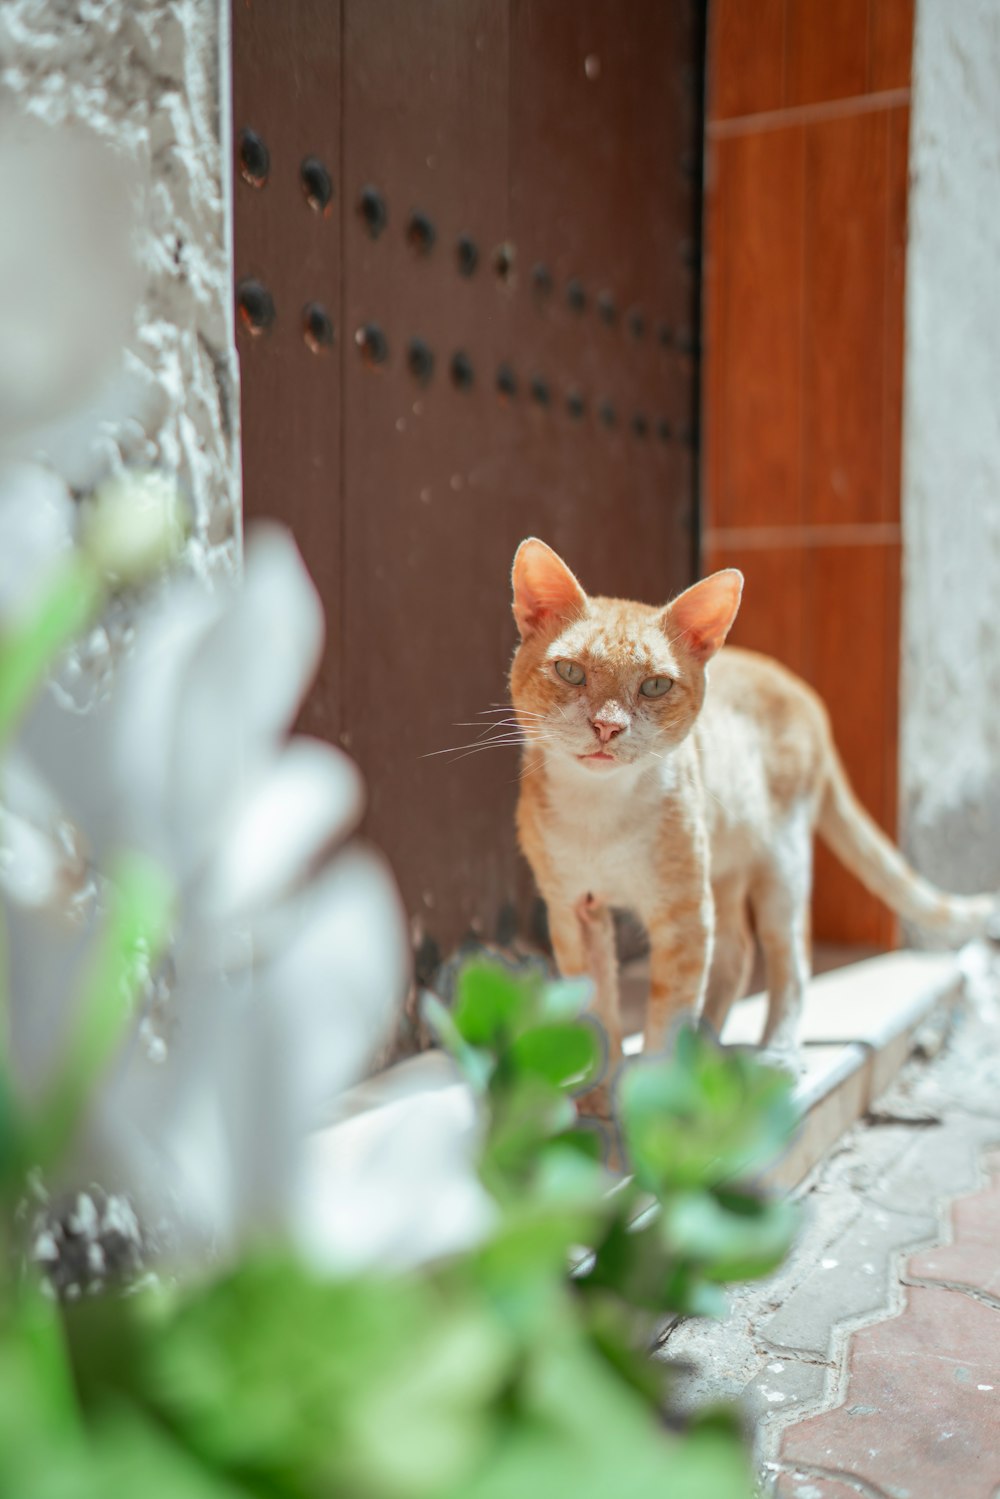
477 226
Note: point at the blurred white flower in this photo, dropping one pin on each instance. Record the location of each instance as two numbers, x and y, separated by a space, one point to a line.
69 278
417 1128
288 957
167 737
37 521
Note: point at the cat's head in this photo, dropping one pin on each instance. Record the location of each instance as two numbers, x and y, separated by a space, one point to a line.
605 682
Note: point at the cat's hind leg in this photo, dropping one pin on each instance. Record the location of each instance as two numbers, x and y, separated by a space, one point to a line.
732 955
779 897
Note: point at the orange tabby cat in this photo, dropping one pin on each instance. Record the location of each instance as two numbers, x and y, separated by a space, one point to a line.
690 807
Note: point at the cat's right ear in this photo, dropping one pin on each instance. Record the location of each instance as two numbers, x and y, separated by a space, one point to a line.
545 591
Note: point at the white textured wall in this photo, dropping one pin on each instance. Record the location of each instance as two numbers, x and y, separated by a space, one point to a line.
950 749
150 77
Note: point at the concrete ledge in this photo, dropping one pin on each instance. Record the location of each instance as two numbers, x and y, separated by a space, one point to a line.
859 1025
833 1093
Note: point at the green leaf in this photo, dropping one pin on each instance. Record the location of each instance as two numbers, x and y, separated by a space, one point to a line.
476 1063
527 1114
711 1461
491 1005
706 1116
298 1385
565 999
582 1431
135 936
730 1237
565 1055
31 647
36 1386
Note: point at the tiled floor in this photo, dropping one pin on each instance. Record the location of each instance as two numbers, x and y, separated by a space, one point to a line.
920 1414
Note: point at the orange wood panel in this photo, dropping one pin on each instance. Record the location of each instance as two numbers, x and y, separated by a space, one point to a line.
803 372
895 293
891 58
715 255
846 214
754 394
746 57
893 631
851 593
826 50
773 612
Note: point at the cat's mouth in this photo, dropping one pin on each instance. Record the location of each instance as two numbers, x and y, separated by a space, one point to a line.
598 757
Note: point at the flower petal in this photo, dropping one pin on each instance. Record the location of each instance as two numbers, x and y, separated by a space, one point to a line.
37 517
309 798
239 695
395 1185
208 1143
69 278
338 977
46 957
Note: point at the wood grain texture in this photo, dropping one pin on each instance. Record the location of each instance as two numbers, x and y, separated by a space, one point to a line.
891 54
772 615
895 297
756 286
826 50
746 58
291 445
854 668
845 325
803 393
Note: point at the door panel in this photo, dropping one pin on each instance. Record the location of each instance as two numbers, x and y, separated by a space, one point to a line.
513 256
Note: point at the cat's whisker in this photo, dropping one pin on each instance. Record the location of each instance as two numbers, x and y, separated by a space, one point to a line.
476 748
457 749
510 708
499 741
498 723
527 770
505 708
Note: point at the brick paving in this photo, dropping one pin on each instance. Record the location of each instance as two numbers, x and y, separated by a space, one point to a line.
920 1413
868 1365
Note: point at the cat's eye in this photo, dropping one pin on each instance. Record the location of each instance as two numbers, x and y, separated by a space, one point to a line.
571 672
656 686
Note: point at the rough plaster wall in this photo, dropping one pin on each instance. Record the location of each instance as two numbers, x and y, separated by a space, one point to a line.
151 78
950 748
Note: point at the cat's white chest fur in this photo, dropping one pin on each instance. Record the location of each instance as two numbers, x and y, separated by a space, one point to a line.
603 830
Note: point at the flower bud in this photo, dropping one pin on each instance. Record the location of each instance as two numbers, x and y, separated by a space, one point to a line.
135 524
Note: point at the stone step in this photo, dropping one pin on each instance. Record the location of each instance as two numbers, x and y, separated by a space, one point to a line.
859 1025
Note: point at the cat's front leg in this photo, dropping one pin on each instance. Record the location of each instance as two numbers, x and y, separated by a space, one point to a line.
583 941
680 956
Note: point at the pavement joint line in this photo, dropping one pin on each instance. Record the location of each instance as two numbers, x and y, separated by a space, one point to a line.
973 1292
792 1355
771 1430
834 1393
884 1190
862 1486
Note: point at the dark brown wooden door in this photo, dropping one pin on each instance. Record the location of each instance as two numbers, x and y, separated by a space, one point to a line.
489 331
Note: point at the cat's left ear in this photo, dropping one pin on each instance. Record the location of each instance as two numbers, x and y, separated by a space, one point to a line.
545 591
701 617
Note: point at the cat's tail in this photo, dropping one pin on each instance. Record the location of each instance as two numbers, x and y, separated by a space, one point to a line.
860 844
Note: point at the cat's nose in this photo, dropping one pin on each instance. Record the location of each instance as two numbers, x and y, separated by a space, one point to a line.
606 728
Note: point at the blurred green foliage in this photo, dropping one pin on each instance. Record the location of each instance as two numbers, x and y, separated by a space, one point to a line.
518 1368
